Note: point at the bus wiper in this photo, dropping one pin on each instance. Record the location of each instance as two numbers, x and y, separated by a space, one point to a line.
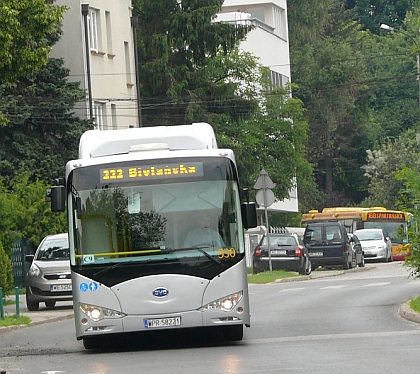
108 268
199 249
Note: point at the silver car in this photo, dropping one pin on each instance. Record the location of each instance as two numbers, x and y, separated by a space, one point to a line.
376 244
48 279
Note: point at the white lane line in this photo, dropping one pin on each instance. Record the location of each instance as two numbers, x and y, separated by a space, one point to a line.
377 284
334 287
292 289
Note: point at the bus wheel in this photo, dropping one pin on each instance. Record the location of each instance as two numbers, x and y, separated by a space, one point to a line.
234 332
90 343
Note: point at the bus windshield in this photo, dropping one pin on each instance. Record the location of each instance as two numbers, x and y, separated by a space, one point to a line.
152 219
397 231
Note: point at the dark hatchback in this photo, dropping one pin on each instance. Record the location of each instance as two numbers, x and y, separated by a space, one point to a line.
287 253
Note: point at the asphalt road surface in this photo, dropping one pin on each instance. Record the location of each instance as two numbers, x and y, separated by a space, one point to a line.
347 323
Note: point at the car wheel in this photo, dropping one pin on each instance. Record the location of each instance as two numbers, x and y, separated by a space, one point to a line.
309 268
302 267
32 306
50 304
346 265
362 261
255 269
233 333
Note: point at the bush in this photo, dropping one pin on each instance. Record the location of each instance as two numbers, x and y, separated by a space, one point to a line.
6 274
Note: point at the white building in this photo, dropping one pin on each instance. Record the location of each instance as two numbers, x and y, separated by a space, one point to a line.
269 41
107 70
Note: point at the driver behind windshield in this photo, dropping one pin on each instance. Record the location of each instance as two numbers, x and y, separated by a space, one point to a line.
203 234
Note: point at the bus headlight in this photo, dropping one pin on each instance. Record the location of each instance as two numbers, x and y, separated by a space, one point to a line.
226 303
97 313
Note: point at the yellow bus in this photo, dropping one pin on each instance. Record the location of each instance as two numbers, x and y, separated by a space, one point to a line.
394 222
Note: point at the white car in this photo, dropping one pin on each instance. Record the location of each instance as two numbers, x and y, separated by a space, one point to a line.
376 244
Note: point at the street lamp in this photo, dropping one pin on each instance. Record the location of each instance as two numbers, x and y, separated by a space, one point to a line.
417 43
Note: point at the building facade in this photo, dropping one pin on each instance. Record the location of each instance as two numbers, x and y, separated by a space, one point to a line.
269 40
102 60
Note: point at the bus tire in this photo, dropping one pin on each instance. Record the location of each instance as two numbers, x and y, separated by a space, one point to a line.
90 343
233 333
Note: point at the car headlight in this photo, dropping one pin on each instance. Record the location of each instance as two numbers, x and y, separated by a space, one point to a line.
226 303
34 271
97 313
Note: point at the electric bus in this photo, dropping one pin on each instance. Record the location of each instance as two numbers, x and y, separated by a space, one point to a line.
132 198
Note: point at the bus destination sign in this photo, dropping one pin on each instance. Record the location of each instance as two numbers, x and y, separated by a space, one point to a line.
130 173
385 216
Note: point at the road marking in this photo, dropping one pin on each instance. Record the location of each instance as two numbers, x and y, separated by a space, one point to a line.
377 284
334 287
292 289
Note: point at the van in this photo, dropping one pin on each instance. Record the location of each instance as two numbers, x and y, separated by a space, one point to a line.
328 245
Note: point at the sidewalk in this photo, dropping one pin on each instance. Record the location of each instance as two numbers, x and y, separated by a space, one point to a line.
62 310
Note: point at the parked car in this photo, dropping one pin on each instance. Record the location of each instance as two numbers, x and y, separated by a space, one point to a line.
48 279
376 244
329 245
357 250
287 252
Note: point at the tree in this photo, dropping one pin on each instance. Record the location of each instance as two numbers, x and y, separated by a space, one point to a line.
371 13
410 177
28 29
383 166
177 42
42 133
6 273
330 74
25 36
25 213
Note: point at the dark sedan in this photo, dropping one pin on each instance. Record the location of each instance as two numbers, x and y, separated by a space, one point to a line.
287 252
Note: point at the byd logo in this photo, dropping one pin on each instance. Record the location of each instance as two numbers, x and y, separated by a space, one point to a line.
160 292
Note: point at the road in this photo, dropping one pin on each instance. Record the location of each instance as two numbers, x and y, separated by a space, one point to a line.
342 324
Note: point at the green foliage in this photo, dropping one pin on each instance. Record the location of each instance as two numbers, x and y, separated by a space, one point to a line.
269 276
410 177
177 43
6 275
25 214
371 13
25 36
383 167
42 133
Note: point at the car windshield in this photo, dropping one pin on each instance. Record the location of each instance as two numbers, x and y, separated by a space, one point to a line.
280 241
369 235
54 249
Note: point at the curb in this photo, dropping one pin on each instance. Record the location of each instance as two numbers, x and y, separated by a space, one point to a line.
406 312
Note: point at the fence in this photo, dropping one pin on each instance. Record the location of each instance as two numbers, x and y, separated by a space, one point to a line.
20 266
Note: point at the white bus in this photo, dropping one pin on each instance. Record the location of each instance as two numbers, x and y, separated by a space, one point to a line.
156 221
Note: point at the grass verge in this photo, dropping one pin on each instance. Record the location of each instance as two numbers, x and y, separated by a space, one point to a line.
270 276
415 304
13 320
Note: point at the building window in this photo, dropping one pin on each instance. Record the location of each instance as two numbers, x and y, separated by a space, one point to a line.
127 64
278 79
93 29
280 22
108 33
98 114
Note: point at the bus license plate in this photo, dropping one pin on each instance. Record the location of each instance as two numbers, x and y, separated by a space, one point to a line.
315 254
60 287
162 322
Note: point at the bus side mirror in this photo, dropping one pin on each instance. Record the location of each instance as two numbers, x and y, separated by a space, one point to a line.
58 198
249 215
